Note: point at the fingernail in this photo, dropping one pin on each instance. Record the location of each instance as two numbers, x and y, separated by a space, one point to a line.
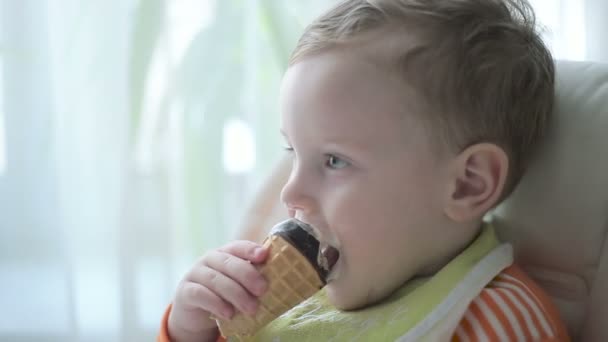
258 251
227 314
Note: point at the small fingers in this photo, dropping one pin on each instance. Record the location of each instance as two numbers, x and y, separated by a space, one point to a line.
225 288
246 250
246 274
194 294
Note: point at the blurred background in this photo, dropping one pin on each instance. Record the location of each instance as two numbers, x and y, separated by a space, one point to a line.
133 134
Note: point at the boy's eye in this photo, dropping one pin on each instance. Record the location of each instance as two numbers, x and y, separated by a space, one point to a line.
334 162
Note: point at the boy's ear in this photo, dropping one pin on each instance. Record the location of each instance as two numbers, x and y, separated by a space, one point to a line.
477 178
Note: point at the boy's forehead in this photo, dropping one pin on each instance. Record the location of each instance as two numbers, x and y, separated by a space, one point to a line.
370 57
327 68
334 82
346 99
338 75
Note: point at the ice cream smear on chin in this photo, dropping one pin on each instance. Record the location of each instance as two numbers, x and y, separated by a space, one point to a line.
321 255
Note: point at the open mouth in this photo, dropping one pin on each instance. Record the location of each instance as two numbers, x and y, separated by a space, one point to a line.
328 257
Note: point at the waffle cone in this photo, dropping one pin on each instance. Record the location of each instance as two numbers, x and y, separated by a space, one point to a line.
291 279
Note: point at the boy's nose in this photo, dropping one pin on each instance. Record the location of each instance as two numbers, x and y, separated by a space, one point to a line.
297 194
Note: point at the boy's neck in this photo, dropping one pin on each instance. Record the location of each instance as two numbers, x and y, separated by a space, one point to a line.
472 232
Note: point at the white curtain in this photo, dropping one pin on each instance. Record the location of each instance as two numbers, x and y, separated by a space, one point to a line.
575 29
133 134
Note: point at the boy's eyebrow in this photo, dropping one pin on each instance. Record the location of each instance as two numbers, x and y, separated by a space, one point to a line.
350 145
340 142
345 142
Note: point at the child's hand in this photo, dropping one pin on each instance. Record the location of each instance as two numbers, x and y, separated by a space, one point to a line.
222 281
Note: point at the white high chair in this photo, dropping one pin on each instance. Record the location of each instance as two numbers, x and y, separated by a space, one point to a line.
557 218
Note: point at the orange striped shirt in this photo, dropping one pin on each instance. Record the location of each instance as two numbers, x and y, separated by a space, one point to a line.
510 308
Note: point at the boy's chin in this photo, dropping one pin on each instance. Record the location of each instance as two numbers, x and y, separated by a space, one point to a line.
342 299
346 296
339 301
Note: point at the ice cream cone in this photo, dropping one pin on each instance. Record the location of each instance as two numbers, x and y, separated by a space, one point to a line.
291 279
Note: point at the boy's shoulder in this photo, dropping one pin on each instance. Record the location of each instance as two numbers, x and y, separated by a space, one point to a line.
511 307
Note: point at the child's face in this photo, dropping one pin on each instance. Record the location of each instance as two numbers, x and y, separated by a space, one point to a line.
365 174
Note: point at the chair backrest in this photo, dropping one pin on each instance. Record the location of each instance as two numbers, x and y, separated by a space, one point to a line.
557 218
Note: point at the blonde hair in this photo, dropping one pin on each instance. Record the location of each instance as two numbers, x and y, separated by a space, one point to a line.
479 66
